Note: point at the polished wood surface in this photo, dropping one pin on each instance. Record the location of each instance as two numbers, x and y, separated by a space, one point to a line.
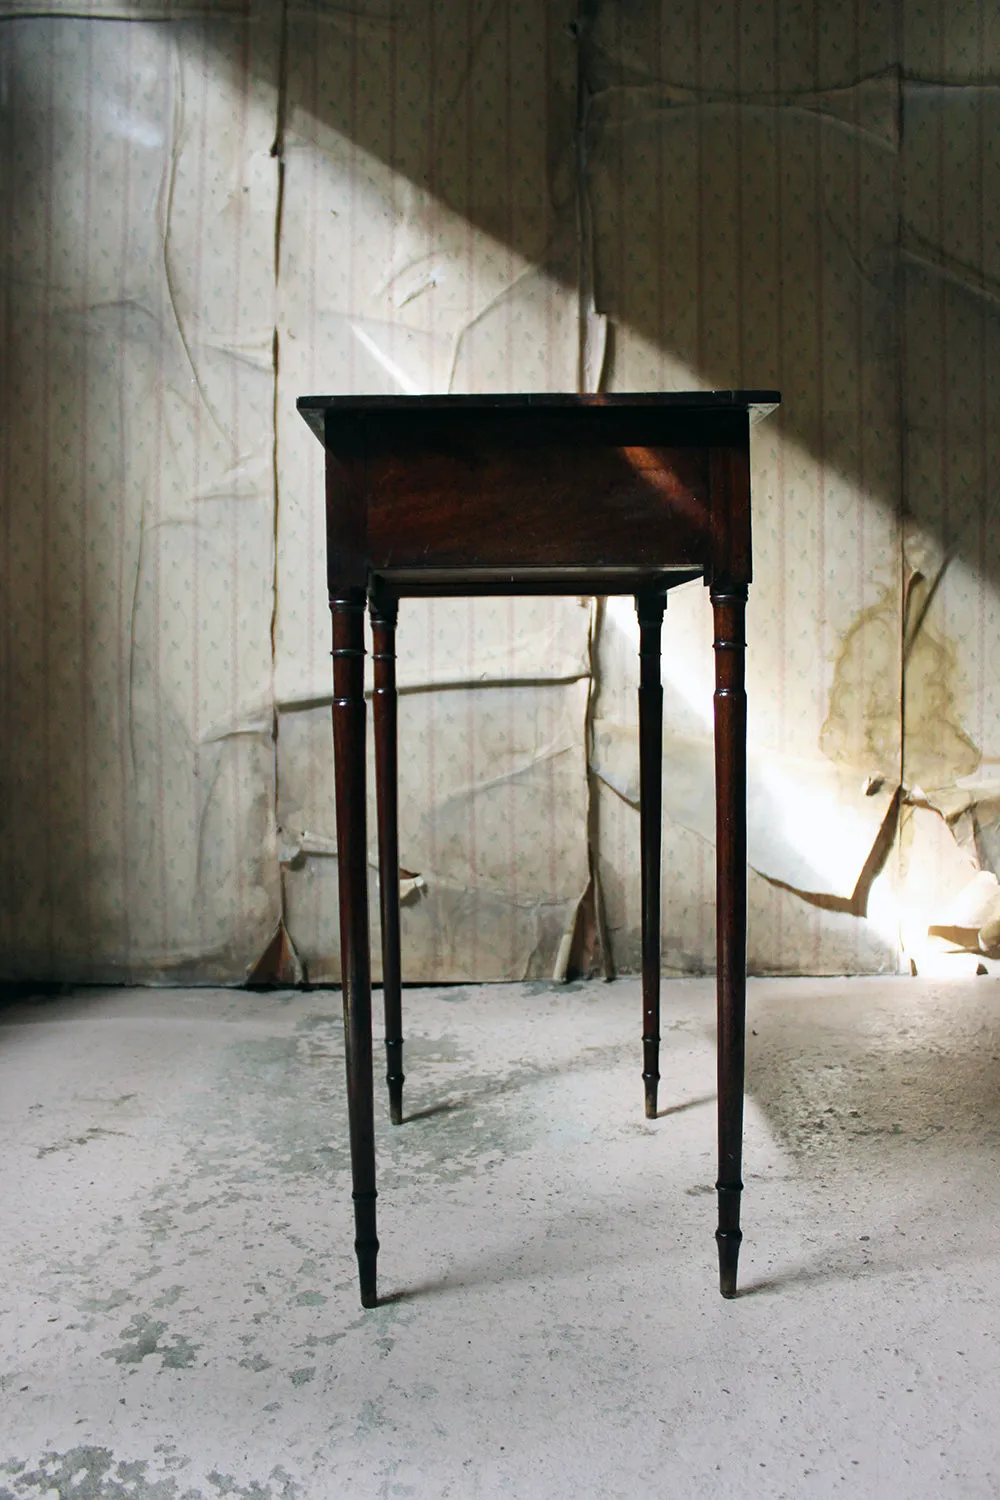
729 610
384 612
536 494
348 611
649 608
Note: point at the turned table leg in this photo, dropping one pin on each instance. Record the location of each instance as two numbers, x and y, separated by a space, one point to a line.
352 852
649 608
729 606
384 611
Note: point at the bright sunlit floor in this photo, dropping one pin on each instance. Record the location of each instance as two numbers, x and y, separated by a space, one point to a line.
178 1309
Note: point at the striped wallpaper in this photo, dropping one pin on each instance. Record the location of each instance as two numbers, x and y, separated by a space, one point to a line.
209 210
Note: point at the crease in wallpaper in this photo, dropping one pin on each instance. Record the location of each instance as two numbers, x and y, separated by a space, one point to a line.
894 783
106 10
845 834
868 108
592 331
817 831
424 296
920 253
176 130
409 690
857 903
592 359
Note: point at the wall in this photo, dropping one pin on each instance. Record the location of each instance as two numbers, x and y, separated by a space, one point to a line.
210 210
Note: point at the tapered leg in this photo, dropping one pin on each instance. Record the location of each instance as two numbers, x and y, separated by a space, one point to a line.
729 606
649 608
349 771
384 610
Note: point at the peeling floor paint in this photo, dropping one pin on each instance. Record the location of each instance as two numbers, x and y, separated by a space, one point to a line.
178 1310
90 1473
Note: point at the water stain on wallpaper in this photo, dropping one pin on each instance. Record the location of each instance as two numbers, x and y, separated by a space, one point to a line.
862 726
890 695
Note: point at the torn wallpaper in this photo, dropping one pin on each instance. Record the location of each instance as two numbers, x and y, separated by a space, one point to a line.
211 210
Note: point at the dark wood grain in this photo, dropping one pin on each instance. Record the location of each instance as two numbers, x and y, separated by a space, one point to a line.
729 610
384 610
346 527
729 481
537 494
348 611
639 506
649 608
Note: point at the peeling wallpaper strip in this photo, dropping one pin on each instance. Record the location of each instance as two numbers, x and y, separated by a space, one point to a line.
224 207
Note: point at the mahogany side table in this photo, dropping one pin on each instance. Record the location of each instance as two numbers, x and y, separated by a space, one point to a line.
545 494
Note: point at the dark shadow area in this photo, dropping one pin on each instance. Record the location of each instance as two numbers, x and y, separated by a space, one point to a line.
909 1261
446 1107
594 1059
25 1004
772 202
21 993
679 1109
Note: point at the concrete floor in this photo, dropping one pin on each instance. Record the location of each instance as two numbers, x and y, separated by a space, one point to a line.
178 1312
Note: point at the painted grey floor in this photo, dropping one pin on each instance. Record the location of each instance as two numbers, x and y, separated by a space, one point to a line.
178 1314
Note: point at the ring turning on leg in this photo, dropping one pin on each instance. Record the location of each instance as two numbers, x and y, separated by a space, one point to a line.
649 608
348 612
384 610
729 606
